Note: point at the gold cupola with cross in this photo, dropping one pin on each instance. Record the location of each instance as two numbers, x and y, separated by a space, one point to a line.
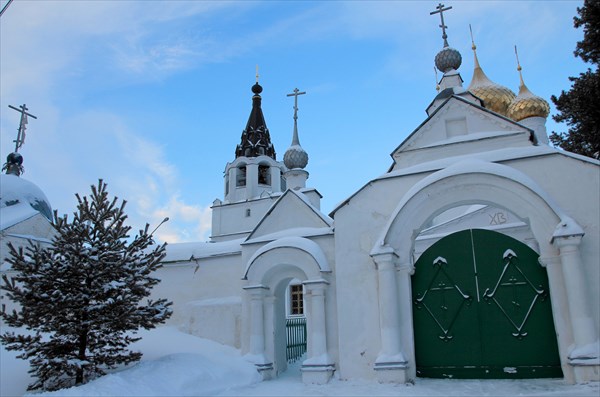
495 97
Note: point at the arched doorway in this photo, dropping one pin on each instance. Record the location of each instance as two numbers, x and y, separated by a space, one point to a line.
481 309
557 239
269 272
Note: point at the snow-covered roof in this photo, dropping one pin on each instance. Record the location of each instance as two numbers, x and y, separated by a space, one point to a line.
492 156
306 245
17 213
180 252
297 231
439 109
14 191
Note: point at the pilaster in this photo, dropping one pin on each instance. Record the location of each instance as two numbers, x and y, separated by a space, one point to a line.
585 356
257 354
318 367
390 364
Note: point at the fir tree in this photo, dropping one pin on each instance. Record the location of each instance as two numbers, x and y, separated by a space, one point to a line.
580 106
81 298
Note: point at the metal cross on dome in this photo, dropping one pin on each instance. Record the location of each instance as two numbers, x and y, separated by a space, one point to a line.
22 125
440 10
295 95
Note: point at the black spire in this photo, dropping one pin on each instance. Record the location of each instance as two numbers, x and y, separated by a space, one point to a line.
256 140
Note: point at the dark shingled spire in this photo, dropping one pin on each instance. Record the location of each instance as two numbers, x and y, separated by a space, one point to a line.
256 140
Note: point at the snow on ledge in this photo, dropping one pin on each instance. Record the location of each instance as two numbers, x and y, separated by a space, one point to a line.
303 244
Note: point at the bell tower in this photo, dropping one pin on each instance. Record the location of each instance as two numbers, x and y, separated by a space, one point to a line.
253 181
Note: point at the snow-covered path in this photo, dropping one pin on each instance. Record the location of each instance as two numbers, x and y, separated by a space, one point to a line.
178 364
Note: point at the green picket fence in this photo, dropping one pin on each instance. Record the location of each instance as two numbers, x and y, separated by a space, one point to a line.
296 338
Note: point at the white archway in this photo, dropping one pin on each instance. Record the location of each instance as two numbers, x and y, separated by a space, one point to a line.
268 273
477 182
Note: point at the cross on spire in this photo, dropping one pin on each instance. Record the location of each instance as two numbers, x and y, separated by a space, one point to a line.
295 94
22 125
440 10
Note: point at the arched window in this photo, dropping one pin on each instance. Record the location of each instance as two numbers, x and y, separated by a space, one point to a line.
264 175
241 176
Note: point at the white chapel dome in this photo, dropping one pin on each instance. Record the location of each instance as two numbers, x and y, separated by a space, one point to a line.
15 190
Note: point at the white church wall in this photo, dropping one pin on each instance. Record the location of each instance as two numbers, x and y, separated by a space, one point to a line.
357 226
37 229
235 220
206 296
574 185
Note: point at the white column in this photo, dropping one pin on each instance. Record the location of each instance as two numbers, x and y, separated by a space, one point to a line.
232 196
585 355
407 341
251 180
583 324
319 367
275 179
257 324
390 364
318 355
560 313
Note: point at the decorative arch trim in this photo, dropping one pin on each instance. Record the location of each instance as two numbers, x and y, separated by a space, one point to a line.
305 248
468 182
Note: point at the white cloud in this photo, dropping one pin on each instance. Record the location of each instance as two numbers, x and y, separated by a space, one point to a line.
55 44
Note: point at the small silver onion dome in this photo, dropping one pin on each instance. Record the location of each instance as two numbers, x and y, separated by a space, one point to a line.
295 157
447 59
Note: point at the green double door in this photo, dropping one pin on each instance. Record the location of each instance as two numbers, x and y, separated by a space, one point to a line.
481 308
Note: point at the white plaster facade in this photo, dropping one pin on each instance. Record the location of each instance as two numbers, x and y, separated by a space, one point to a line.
464 167
459 169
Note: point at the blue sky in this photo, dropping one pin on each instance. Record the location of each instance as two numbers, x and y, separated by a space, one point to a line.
152 96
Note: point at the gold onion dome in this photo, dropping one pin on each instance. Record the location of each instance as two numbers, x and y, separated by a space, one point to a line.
495 97
526 104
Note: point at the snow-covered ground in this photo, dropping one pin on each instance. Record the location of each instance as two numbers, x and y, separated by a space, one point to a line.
178 364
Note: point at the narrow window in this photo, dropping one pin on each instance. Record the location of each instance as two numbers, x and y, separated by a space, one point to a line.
264 176
297 302
241 176
248 212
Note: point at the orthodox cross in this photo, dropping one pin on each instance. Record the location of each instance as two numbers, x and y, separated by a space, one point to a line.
440 10
295 94
22 125
256 74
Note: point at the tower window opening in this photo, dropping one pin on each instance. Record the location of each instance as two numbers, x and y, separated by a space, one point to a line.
241 176
264 176
248 212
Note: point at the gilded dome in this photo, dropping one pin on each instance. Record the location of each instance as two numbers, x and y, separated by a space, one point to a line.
526 104
495 97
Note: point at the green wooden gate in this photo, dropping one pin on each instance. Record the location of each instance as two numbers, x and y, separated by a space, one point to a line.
296 338
481 309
